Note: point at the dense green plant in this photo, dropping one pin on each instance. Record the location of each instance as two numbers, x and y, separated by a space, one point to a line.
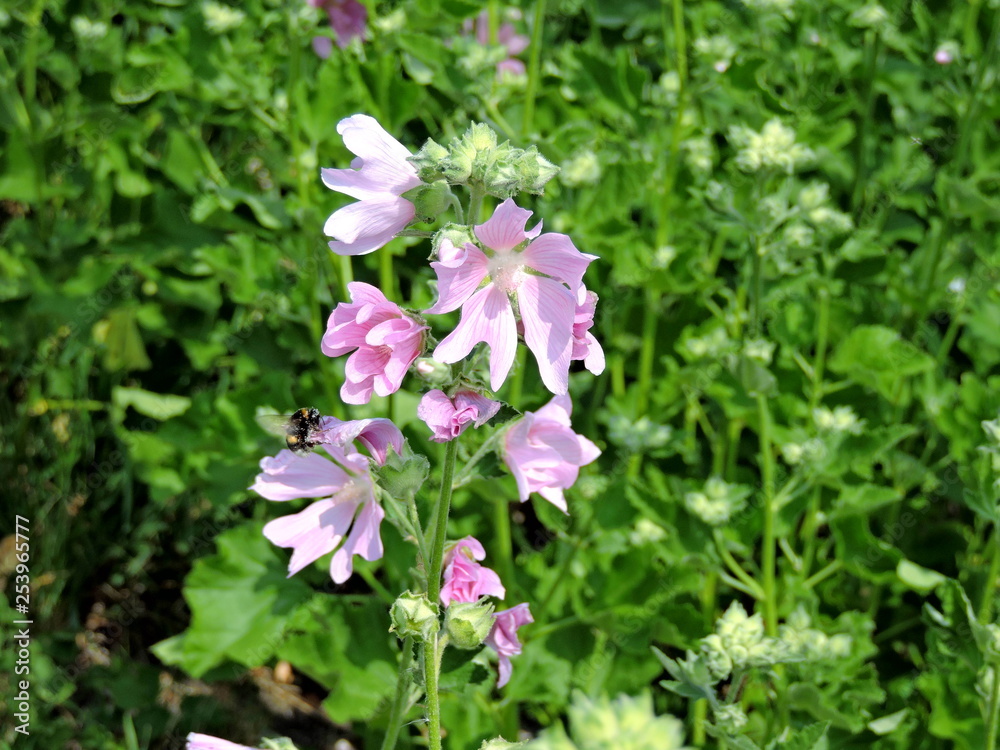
794 206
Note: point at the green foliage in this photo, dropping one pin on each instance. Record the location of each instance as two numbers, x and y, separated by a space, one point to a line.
794 209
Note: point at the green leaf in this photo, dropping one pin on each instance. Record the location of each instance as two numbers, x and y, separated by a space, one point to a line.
918 578
863 499
878 357
888 723
241 603
161 406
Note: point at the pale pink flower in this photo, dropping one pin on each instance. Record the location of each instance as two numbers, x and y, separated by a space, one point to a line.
585 346
465 580
378 177
449 417
503 637
387 341
507 37
542 273
544 454
377 435
206 742
347 17
345 519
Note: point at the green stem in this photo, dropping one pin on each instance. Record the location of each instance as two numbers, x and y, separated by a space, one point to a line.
752 586
385 275
534 64
989 588
822 336
647 355
441 522
346 274
757 285
464 475
399 702
475 204
823 574
993 712
860 150
504 558
768 552
432 667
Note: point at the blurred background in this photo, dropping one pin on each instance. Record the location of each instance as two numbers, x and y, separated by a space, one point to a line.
788 198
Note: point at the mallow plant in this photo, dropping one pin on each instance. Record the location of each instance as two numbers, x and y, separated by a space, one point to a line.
512 283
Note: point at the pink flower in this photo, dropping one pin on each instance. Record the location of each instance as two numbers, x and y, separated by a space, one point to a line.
465 580
543 276
585 346
449 417
503 637
507 37
387 341
544 454
347 17
206 742
377 178
377 435
346 519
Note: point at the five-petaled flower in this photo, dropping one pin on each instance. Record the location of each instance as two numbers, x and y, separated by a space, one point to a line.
347 18
503 637
345 519
465 580
449 417
387 341
541 274
544 454
378 177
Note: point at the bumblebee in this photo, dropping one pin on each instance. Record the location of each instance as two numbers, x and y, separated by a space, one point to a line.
298 428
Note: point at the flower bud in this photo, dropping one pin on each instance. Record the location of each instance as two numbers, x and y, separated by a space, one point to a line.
456 234
499 743
430 200
432 371
429 160
468 623
414 615
534 170
730 718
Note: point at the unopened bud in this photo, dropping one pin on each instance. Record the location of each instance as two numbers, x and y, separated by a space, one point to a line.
414 615
468 623
429 160
432 371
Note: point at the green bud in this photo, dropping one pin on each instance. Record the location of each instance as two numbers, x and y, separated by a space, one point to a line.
730 718
429 160
414 615
277 743
433 372
468 623
430 200
470 155
456 234
499 743
534 170
403 474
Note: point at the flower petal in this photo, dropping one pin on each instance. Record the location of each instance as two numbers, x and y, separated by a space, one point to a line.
368 224
382 155
505 229
487 316
457 279
547 311
288 476
555 255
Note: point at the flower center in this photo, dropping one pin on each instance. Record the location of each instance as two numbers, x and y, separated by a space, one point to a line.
506 271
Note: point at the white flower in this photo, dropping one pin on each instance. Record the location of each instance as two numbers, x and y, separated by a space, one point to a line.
774 146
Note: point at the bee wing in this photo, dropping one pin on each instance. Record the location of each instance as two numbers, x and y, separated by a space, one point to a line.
276 424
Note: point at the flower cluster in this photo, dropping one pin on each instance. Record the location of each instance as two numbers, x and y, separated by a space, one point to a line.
511 283
625 723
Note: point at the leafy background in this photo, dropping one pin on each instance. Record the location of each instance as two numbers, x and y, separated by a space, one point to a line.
164 278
